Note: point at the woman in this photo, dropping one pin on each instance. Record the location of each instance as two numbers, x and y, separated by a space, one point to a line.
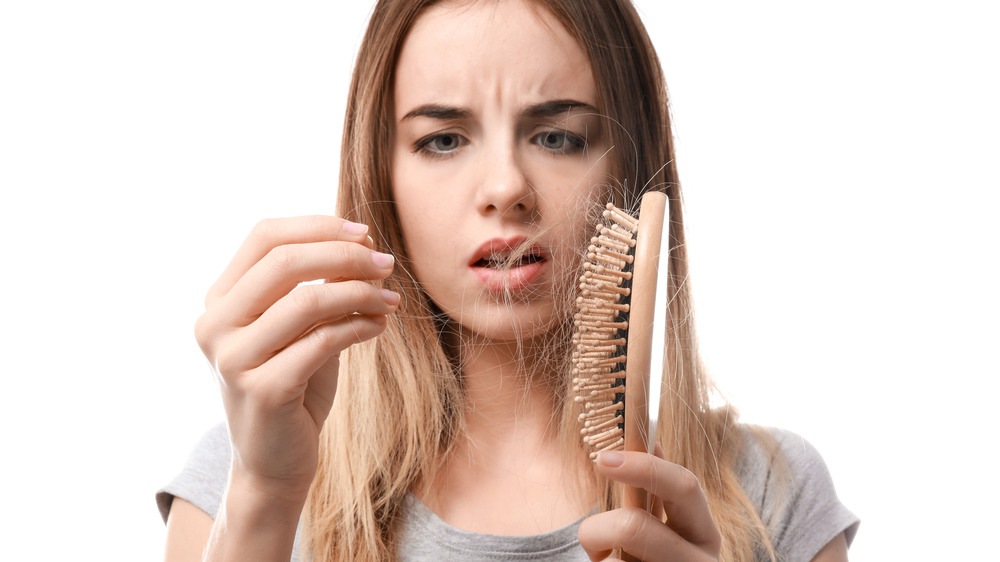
414 405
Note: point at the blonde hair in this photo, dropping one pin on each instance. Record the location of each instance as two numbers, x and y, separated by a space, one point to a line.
367 466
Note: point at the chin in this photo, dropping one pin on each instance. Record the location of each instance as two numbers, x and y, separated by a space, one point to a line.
507 322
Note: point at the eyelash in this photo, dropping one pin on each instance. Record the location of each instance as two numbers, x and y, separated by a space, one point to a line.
421 146
575 143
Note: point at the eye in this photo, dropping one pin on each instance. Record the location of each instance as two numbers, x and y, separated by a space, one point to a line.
440 144
562 142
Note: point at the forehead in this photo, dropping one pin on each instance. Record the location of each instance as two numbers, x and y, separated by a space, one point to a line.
457 50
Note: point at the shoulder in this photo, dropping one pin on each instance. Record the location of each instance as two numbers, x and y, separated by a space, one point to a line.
202 480
787 480
766 450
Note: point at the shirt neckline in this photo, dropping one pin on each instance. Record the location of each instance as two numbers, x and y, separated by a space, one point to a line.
422 519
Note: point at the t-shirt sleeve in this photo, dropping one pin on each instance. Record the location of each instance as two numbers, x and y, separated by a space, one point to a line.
796 499
203 479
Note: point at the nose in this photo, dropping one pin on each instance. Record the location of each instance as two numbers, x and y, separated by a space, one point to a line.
505 189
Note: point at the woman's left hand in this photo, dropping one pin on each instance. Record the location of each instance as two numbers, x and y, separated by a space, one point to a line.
689 534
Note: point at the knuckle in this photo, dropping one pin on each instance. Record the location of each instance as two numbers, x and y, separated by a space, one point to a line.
208 332
630 526
264 391
316 227
687 483
589 536
360 291
225 363
280 260
323 338
343 298
210 299
657 469
345 253
203 332
263 230
305 298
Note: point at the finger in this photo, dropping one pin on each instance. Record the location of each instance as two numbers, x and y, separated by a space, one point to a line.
684 501
271 233
285 267
638 533
297 313
284 378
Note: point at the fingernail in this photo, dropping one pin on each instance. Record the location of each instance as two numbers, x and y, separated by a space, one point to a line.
355 228
611 458
382 260
390 297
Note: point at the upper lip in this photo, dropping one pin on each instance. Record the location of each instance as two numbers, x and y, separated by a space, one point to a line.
506 246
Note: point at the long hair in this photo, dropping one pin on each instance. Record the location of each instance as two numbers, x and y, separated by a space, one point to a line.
368 464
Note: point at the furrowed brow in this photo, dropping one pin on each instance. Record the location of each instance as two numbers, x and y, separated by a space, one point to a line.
555 108
441 112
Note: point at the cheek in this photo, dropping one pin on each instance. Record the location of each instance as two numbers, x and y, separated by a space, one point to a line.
425 223
413 204
414 218
576 205
420 192
573 181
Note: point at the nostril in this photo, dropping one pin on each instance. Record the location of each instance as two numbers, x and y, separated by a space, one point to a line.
506 198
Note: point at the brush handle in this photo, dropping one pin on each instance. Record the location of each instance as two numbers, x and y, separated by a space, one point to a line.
640 333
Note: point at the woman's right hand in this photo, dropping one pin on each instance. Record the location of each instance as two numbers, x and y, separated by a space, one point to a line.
275 344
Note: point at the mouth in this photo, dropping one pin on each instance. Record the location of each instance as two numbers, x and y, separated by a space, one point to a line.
500 261
508 264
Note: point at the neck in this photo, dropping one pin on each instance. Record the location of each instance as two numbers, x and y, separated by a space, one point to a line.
507 474
511 391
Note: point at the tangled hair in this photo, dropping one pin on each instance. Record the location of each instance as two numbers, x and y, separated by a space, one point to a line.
368 466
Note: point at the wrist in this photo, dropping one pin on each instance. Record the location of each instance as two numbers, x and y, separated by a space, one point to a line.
275 498
256 521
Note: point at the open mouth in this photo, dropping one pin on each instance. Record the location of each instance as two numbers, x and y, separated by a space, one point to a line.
500 261
503 265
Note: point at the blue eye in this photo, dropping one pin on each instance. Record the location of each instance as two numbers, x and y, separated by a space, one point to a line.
441 144
562 142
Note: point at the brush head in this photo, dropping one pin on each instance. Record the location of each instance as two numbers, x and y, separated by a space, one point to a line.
600 333
612 336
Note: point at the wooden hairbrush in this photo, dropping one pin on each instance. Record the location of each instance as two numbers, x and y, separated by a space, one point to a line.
613 332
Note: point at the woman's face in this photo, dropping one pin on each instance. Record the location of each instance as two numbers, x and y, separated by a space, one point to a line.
497 145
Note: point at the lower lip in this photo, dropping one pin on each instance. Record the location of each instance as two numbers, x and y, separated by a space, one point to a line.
513 279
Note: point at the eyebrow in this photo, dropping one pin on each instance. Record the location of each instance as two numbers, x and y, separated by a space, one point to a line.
555 108
435 111
542 110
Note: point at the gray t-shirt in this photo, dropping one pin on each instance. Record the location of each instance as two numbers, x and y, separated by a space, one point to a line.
809 517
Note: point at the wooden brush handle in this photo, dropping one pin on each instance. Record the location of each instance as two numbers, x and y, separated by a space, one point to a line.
640 333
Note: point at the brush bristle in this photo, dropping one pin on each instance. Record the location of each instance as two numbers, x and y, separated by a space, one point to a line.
601 331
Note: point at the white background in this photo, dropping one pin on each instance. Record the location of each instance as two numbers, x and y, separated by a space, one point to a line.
840 169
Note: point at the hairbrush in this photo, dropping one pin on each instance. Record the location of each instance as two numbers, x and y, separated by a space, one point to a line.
613 332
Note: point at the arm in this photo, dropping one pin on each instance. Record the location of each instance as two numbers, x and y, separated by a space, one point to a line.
249 526
254 524
834 551
188 529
